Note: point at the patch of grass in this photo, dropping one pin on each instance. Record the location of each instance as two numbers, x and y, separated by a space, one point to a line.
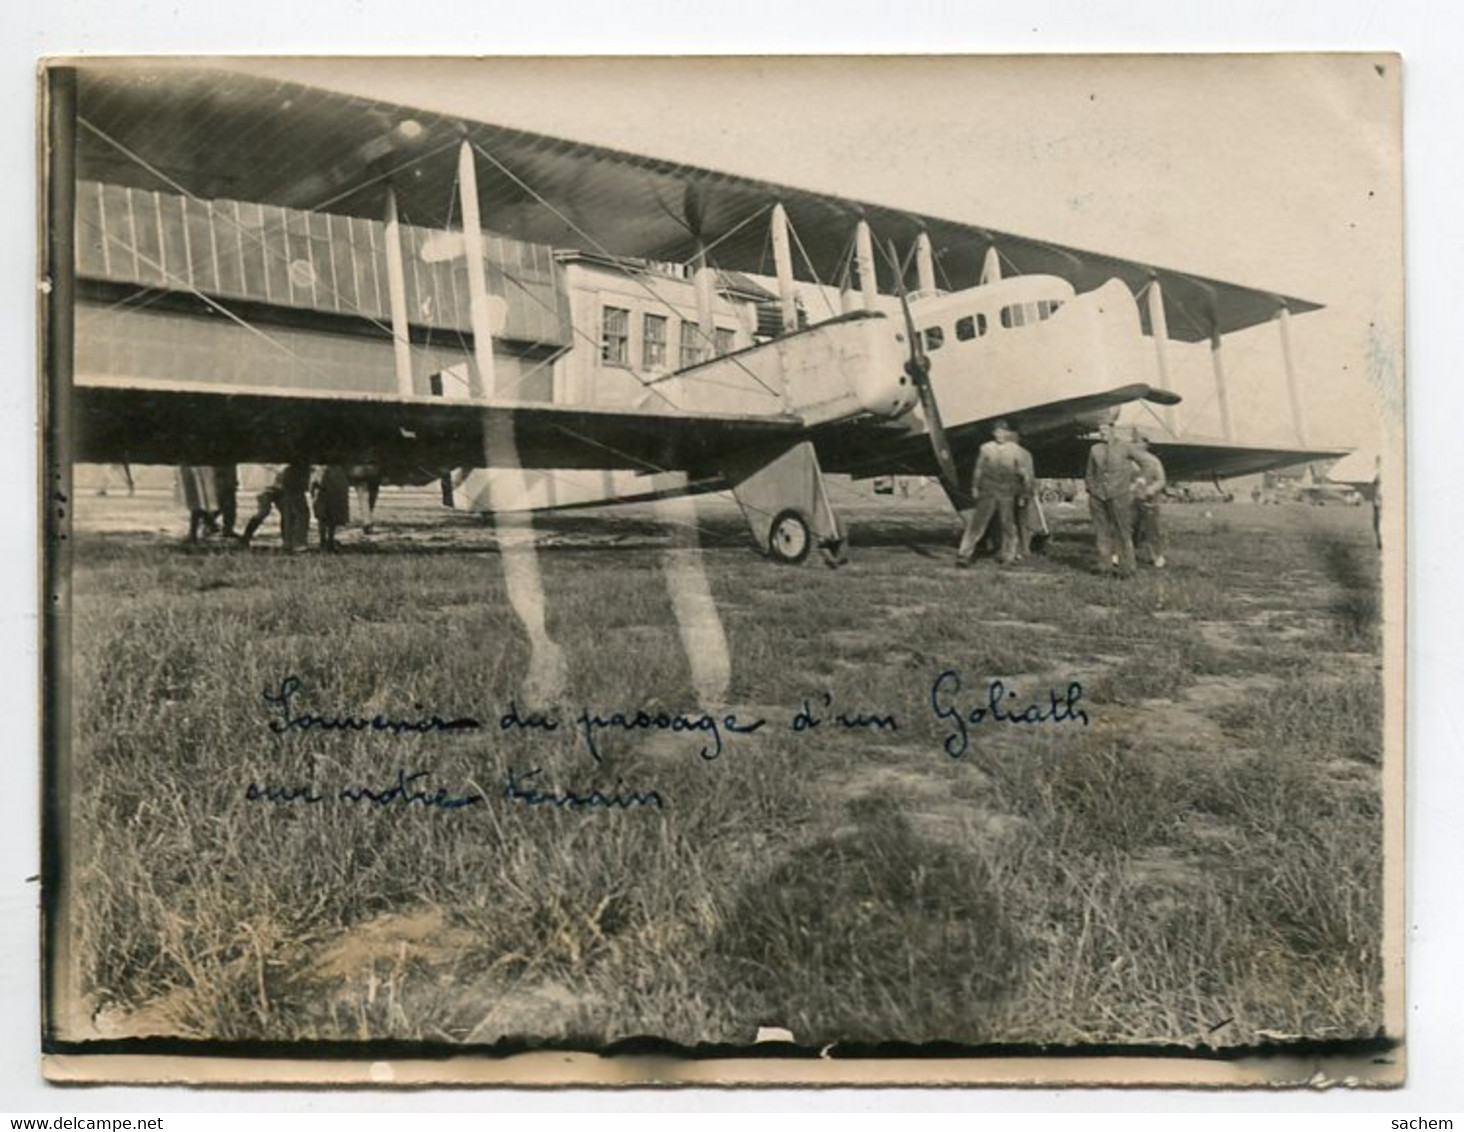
1311 716
1058 883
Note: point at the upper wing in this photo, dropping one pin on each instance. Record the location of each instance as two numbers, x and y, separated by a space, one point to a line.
307 148
162 423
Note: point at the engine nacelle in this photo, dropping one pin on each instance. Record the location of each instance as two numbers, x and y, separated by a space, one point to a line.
848 367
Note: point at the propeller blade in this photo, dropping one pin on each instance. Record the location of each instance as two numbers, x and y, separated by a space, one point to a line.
918 367
694 210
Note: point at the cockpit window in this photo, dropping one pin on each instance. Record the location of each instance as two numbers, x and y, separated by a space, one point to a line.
934 338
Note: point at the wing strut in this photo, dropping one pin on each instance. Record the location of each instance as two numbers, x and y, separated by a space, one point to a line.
783 266
1159 329
1222 394
1298 422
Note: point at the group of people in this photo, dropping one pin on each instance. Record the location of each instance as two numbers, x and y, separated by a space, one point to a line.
1125 484
211 496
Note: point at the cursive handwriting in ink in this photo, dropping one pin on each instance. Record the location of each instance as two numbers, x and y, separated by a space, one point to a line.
282 794
402 791
520 790
806 718
642 720
291 719
1060 708
511 720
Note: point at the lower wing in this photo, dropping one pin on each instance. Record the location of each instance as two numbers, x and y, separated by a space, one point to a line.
118 422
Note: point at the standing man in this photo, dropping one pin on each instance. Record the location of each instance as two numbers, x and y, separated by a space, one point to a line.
1002 475
1029 521
265 502
199 495
1109 480
294 484
366 479
332 491
1148 493
226 486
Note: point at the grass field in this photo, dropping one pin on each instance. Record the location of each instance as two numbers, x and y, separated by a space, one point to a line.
1200 863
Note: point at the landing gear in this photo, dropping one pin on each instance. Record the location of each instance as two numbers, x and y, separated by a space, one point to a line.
783 498
790 538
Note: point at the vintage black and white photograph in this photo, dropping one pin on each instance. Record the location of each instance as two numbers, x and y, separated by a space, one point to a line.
810 558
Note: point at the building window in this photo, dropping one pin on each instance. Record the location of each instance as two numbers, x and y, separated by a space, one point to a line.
725 343
934 338
972 326
691 344
615 336
653 345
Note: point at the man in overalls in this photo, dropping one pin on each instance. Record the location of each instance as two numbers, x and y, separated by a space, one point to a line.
1002 475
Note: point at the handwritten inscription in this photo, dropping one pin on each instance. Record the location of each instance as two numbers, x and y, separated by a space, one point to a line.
406 790
1001 705
409 790
520 789
807 717
951 705
704 724
291 719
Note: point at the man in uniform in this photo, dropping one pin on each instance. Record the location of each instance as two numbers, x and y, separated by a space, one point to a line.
1109 480
1148 493
1003 474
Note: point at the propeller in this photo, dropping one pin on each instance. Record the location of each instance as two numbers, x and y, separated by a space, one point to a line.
918 367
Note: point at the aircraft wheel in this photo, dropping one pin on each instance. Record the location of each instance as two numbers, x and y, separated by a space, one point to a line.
790 539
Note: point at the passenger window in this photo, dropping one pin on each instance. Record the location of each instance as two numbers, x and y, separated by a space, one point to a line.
1025 314
934 338
972 326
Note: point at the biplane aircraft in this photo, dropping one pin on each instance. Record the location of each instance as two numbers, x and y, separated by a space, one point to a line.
266 272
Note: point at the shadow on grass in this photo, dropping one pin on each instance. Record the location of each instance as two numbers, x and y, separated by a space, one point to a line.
867 934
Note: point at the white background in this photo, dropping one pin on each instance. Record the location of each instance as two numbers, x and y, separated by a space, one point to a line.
1428 37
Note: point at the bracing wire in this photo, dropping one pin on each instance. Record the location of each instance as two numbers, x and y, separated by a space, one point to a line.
599 247
823 289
